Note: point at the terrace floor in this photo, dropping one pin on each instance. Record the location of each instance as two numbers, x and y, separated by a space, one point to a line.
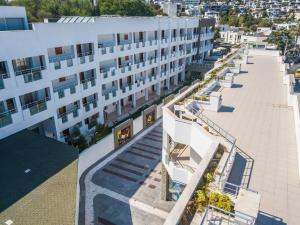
255 111
126 189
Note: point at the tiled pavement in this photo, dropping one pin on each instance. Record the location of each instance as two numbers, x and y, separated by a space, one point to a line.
263 125
127 189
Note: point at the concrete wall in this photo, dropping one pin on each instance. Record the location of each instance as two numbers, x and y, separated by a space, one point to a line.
293 101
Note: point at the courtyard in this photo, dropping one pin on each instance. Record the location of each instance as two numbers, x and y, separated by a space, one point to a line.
127 188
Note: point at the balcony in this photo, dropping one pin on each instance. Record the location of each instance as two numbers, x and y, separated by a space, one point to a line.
61 61
141 44
125 68
70 114
2 78
61 90
106 50
182 37
164 58
140 82
124 47
153 42
126 88
164 41
90 104
31 74
36 106
152 61
90 82
86 57
109 95
6 118
107 72
139 65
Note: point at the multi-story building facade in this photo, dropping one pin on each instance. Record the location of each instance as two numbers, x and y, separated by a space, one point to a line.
80 71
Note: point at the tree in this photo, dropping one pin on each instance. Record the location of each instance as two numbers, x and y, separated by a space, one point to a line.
37 10
125 8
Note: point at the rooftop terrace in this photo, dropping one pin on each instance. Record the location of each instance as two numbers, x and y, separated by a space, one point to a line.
262 122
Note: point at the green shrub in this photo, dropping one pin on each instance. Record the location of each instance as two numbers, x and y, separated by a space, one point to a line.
201 199
221 201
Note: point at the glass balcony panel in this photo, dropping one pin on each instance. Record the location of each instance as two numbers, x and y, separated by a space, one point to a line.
39 107
64 118
87 107
82 60
57 65
61 94
91 58
69 62
75 113
72 90
85 85
5 120
2 84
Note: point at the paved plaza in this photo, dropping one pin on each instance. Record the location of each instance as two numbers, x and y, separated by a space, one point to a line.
127 189
255 111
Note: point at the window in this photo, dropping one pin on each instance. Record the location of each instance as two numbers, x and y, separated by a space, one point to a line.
58 51
126 57
125 36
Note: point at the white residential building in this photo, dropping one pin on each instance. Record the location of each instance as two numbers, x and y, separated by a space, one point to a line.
80 71
230 35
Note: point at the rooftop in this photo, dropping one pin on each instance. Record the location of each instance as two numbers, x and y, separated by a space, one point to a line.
38 178
262 122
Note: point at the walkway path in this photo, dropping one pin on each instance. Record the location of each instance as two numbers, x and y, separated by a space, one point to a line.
256 113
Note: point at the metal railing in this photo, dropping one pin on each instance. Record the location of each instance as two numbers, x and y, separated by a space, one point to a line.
6 118
213 125
29 70
4 76
58 58
214 215
37 106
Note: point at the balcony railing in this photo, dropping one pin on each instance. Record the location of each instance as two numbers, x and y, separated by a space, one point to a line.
62 88
63 57
86 81
64 116
113 92
36 106
82 56
106 50
2 77
140 44
6 118
129 87
87 106
153 42
108 70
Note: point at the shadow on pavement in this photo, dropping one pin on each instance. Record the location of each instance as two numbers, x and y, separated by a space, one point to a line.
237 86
225 108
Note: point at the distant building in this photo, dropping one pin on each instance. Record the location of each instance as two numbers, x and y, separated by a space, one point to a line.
231 35
213 14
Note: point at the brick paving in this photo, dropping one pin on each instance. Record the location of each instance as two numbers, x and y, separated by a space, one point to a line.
132 183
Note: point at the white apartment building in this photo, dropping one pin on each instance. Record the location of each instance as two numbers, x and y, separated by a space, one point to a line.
80 71
231 35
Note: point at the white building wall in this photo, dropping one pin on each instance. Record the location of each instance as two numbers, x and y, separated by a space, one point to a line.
44 37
